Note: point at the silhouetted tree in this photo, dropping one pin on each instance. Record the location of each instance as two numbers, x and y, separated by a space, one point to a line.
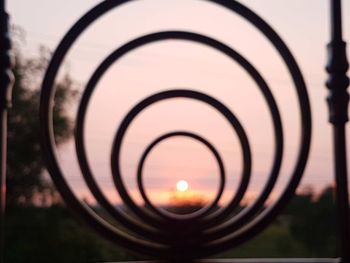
40 234
313 222
25 165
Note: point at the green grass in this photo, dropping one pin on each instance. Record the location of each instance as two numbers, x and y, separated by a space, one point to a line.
275 242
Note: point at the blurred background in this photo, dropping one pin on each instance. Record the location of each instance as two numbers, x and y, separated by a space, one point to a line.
179 172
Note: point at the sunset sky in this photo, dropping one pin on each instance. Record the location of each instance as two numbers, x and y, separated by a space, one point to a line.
303 25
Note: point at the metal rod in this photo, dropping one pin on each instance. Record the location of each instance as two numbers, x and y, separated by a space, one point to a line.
6 80
342 190
336 17
338 101
2 149
3 123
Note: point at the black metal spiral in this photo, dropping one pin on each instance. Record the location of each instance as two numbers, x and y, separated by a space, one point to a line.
149 230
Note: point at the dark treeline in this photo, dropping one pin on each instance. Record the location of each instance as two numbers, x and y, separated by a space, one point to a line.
307 228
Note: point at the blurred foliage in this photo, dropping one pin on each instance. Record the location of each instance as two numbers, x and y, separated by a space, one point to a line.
25 182
313 222
307 228
35 234
275 242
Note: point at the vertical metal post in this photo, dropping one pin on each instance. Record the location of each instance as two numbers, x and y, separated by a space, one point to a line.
338 101
6 80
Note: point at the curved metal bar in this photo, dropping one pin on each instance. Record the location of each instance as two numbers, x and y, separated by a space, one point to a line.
169 215
220 215
156 249
118 215
265 218
108 231
79 131
237 127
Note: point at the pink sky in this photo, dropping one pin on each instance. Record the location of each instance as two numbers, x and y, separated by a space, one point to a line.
180 64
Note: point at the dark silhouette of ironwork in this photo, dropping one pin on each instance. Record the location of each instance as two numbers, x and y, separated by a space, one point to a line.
163 235
163 213
338 101
150 232
6 81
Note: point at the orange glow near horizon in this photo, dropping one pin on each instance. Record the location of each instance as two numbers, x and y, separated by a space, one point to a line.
163 197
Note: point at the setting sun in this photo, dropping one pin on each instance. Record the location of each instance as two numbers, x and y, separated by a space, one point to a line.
182 186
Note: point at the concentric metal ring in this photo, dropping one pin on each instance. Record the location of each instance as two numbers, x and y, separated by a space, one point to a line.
173 216
221 214
168 95
215 238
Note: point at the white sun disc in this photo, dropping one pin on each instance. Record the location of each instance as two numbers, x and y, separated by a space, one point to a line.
182 186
